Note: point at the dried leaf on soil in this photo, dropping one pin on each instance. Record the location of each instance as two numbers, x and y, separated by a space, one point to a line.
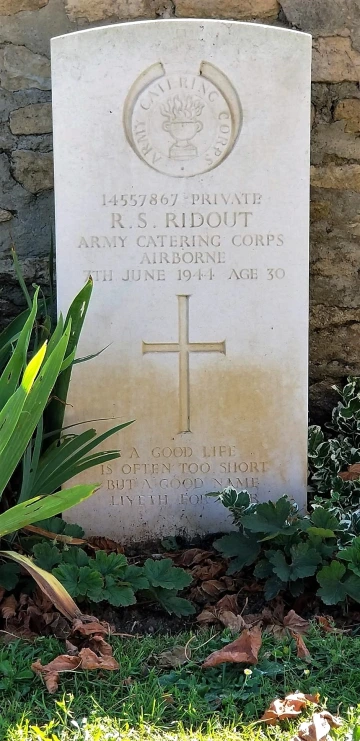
302 650
352 473
8 607
318 727
295 623
328 626
208 570
192 557
236 623
289 707
213 587
175 657
105 544
228 602
88 629
208 616
97 643
244 650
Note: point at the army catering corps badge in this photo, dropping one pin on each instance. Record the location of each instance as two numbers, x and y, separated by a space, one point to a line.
182 124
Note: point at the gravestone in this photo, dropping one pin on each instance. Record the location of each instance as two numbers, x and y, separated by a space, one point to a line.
182 188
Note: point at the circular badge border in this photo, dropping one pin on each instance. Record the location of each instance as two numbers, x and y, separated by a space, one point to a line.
209 72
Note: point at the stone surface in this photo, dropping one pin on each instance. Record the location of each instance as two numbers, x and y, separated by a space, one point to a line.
349 111
10 7
33 170
338 177
5 215
35 29
98 10
198 251
32 119
21 68
333 139
335 60
236 9
321 17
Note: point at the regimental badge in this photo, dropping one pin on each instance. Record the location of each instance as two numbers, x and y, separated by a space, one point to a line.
182 124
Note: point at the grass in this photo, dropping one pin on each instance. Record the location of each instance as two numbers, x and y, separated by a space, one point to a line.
221 704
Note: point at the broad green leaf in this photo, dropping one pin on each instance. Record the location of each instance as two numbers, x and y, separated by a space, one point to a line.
280 566
163 574
90 583
9 575
232 499
352 555
269 517
323 518
76 557
332 589
172 603
135 576
352 585
321 532
60 527
48 584
272 587
46 556
263 569
68 574
38 508
110 564
10 335
245 549
304 561
118 594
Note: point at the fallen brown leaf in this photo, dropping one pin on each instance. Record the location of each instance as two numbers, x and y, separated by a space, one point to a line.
318 727
51 672
192 556
175 657
328 626
213 587
89 660
8 607
105 544
71 648
208 570
352 473
87 629
236 623
296 623
207 617
301 648
228 602
289 707
97 643
244 650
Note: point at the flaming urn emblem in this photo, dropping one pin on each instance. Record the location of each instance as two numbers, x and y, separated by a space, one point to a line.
182 113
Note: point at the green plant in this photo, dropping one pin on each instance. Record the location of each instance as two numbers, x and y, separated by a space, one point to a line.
25 388
108 577
288 549
333 451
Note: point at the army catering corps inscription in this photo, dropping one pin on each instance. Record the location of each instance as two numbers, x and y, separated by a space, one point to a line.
182 124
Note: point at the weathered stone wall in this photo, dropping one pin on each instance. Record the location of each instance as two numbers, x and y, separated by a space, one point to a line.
26 200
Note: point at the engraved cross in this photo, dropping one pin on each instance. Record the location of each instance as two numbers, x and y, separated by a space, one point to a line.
184 348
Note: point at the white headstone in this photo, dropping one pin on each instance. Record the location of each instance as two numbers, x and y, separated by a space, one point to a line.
182 187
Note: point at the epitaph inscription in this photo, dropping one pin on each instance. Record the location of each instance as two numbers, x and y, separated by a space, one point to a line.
182 189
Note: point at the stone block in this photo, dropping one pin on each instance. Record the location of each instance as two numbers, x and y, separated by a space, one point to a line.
319 17
5 215
21 69
338 177
7 140
349 111
335 60
11 7
99 10
333 139
33 170
34 30
236 9
32 119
